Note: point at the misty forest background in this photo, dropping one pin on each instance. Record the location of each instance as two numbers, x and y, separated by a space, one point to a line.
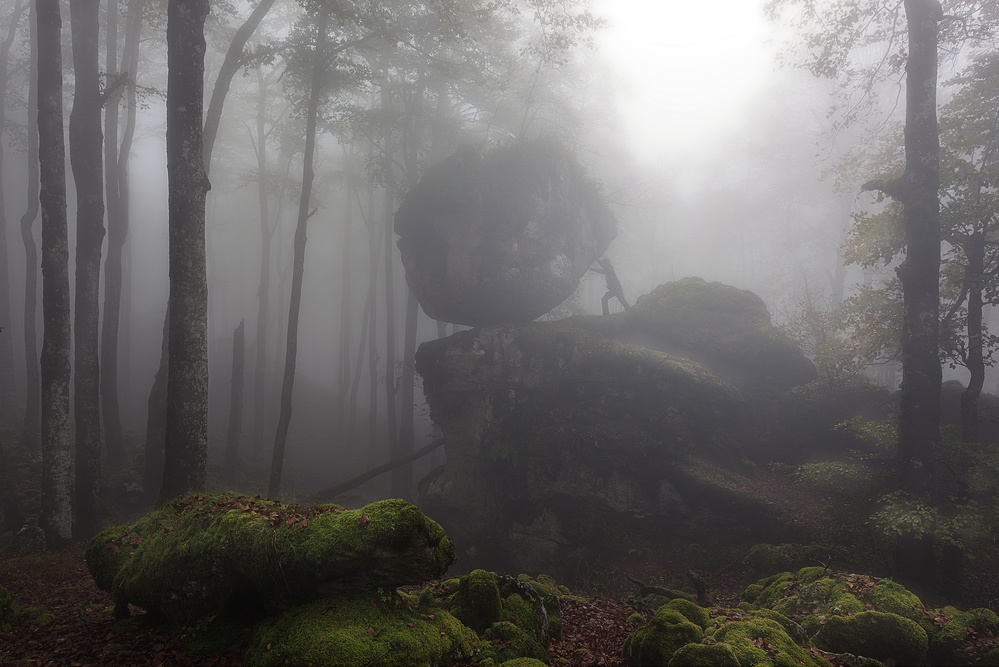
360 97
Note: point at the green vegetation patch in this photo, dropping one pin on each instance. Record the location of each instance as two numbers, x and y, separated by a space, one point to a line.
9 610
202 554
352 630
875 634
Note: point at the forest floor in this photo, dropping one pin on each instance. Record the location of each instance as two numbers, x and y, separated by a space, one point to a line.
68 621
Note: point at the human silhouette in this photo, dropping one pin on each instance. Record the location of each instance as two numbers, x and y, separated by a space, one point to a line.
614 288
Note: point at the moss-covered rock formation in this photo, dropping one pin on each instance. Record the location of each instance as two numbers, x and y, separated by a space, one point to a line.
202 555
373 629
874 619
517 617
563 436
682 634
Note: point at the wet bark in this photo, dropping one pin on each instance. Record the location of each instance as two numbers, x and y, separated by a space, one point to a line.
186 445
85 149
56 510
32 406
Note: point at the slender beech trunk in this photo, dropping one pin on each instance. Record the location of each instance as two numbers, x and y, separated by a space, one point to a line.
263 290
117 318
391 397
402 477
56 509
235 406
152 478
85 151
919 405
32 409
8 390
230 65
298 267
117 229
373 259
187 371
974 251
343 346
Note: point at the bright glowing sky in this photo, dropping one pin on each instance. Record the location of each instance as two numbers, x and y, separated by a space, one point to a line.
686 68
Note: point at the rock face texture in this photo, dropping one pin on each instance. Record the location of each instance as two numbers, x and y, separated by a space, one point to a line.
502 237
563 436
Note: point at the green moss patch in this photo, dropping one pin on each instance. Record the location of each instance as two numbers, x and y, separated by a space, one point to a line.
202 555
9 610
348 631
874 634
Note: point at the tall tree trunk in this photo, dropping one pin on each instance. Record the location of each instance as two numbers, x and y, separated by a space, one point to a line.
235 406
32 416
974 251
152 478
56 509
187 371
116 322
919 405
8 390
263 291
343 346
85 146
391 398
402 477
373 259
230 65
117 226
32 408
10 508
298 268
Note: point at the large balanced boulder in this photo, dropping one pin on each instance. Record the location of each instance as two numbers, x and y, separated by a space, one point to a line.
501 237
203 555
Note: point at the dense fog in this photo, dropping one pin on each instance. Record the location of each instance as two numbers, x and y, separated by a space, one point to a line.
718 155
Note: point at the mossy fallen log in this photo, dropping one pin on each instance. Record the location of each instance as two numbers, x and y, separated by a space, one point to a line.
209 554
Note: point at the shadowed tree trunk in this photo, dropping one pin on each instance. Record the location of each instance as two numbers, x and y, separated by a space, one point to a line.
263 290
298 267
919 273
85 146
186 446
391 398
152 478
8 392
235 406
343 344
10 508
32 408
56 509
116 188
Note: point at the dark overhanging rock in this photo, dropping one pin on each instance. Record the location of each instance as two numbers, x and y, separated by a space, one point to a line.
501 237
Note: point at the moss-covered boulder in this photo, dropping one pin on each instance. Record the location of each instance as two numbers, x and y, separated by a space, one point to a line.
963 637
202 555
503 236
874 634
379 628
9 610
723 327
863 617
704 655
654 644
516 616
682 633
